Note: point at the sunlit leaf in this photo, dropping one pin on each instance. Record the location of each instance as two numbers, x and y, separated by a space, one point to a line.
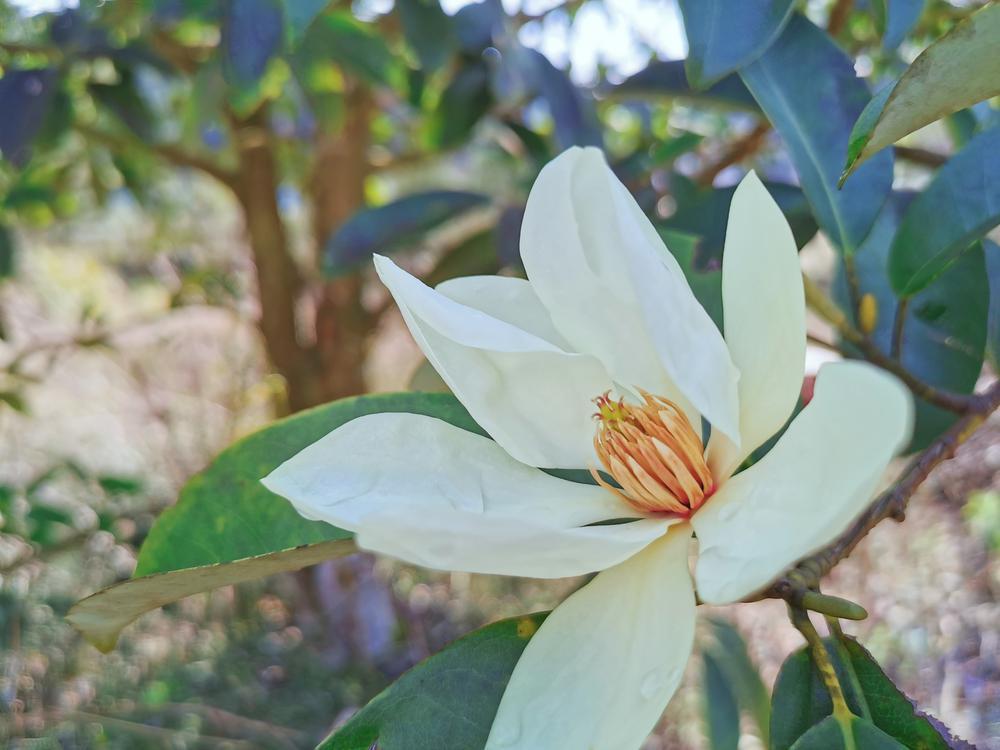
446 701
386 228
808 88
958 207
958 70
724 36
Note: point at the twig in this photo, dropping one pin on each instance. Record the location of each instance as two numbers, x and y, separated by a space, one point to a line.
838 16
922 156
897 328
739 150
805 576
827 309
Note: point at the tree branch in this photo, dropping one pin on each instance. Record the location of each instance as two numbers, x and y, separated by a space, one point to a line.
740 149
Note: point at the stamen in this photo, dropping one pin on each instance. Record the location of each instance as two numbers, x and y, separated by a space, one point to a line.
653 453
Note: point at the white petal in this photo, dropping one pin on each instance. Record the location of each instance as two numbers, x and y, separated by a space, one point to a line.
615 291
531 396
765 316
604 664
430 493
808 488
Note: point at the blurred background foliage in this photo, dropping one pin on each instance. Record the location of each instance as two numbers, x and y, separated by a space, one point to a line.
189 195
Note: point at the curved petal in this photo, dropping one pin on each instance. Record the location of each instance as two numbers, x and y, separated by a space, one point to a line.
808 488
604 664
430 493
765 314
532 397
613 289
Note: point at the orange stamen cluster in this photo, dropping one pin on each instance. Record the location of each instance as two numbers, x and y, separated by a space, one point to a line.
653 453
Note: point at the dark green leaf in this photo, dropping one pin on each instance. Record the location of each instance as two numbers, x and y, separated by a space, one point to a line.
119 485
960 205
722 713
429 32
478 23
958 70
447 701
225 513
944 334
902 17
706 284
299 15
14 400
992 253
25 97
742 675
341 39
724 36
808 88
386 228
8 252
252 34
668 78
125 101
464 101
476 256
829 735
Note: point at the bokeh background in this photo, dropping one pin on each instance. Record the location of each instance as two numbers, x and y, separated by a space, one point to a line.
188 197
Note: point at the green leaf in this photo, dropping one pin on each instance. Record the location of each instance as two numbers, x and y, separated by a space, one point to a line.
8 252
829 735
944 332
446 701
808 89
959 206
801 709
724 36
992 253
722 713
462 104
299 15
340 39
958 70
387 228
731 655
668 78
225 513
902 17
228 528
25 97
706 284
252 34
428 31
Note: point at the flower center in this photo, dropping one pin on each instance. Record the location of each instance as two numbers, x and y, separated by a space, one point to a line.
653 453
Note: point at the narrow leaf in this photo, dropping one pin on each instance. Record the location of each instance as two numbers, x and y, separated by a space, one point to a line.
958 70
960 205
742 675
808 89
668 78
724 36
722 713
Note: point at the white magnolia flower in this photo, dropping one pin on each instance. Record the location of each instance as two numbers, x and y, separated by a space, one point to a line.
607 315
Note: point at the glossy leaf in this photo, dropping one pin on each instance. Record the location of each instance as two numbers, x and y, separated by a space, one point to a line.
428 31
808 89
958 70
722 713
901 17
25 97
386 228
446 701
724 36
668 78
252 34
829 735
944 333
959 206
225 513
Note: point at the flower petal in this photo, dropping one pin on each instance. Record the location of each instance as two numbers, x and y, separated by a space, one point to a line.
808 488
430 493
765 316
604 664
532 397
614 290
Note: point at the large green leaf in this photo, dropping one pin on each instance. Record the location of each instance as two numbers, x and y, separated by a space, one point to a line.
959 206
741 674
386 228
227 527
722 712
829 735
668 78
299 15
447 701
464 101
339 38
705 283
724 36
958 70
252 34
808 89
801 707
944 332
902 16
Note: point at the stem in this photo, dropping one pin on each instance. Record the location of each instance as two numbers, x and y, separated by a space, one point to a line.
827 309
739 150
817 650
897 328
